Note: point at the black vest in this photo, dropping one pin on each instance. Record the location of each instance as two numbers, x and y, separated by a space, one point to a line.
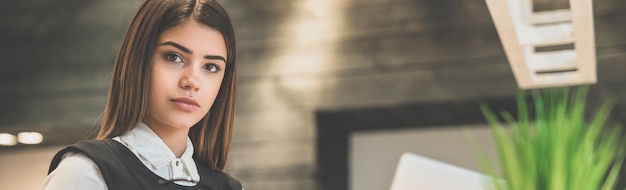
122 170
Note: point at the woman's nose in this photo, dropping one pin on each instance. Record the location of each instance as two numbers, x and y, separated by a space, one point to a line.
189 80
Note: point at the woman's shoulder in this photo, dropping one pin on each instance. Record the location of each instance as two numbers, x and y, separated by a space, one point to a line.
95 157
82 151
76 161
75 171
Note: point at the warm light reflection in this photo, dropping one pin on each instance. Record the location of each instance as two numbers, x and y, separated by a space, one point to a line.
29 137
318 7
7 139
313 32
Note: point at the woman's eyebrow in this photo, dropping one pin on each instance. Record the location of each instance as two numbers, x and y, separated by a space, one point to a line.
176 45
215 57
186 50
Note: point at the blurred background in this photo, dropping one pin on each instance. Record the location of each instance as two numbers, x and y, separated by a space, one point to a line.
330 92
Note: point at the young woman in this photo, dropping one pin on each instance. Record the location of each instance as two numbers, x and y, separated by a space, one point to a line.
169 117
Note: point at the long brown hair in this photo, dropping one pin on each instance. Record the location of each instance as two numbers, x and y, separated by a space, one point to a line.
128 92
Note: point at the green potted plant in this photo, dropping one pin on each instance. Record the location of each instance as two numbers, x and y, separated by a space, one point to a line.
551 145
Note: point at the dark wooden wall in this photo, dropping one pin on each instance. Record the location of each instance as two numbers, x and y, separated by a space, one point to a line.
372 54
295 57
57 62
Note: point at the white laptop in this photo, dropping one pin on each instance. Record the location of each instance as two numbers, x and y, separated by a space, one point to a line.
420 173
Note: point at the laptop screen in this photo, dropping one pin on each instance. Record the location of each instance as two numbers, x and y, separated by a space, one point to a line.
415 172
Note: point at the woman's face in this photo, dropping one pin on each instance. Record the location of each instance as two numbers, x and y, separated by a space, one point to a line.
187 71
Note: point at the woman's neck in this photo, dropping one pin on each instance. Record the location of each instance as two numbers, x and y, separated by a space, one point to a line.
174 138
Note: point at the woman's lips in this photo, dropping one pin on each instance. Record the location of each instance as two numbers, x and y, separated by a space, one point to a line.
186 104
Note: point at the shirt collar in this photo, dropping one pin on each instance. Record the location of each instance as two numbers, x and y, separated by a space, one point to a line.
150 147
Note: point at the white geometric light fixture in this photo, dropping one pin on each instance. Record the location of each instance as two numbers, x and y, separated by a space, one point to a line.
549 48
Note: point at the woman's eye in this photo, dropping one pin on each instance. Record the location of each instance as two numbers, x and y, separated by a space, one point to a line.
211 68
173 58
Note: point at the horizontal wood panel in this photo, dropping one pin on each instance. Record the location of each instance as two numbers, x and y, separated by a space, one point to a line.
309 183
273 125
65 53
274 158
79 111
240 10
413 48
270 31
27 20
381 52
54 84
379 86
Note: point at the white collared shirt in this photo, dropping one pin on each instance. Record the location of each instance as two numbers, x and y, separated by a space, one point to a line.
157 157
77 171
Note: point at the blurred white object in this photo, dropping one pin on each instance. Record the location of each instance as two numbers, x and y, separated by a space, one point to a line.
29 137
548 48
7 139
420 173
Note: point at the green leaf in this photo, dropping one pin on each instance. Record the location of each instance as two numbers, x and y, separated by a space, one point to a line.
557 149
